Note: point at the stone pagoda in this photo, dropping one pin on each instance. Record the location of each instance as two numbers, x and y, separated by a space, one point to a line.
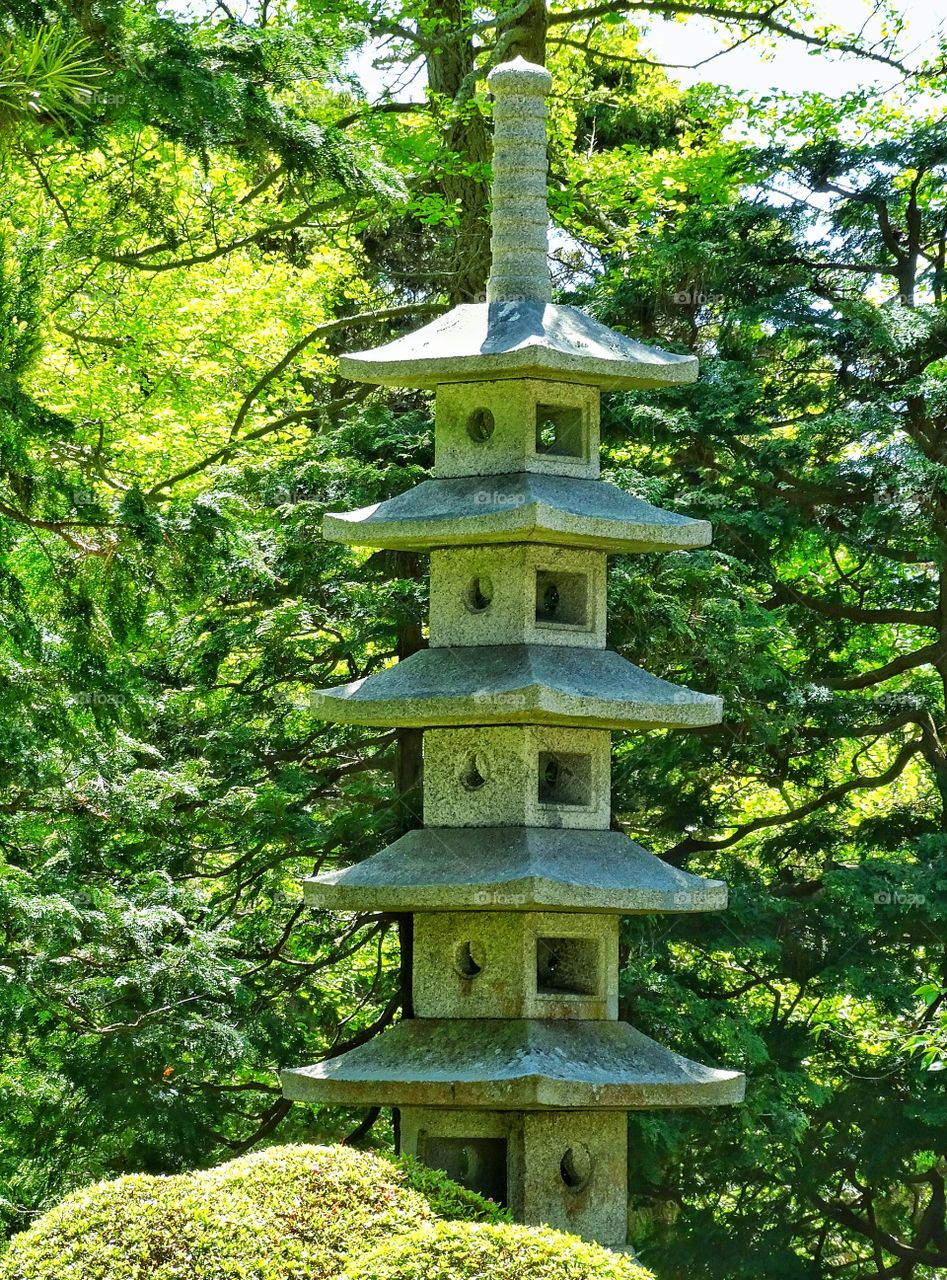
515 1075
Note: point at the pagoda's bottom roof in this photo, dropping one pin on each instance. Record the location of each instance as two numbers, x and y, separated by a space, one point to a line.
519 1064
514 868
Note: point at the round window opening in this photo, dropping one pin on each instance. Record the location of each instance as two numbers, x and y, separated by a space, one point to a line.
472 776
575 1167
467 960
480 425
479 594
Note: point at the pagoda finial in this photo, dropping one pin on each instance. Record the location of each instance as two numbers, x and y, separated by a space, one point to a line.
520 270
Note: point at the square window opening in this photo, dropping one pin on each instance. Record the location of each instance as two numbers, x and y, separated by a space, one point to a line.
560 431
567 966
562 599
564 779
476 1163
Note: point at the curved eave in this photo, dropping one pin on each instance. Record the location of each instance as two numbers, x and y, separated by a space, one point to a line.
517 684
515 1064
514 869
489 341
517 507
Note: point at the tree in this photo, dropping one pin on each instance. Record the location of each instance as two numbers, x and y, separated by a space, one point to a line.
813 442
180 268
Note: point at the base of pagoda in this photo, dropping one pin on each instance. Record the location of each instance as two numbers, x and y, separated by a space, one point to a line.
565 1169
516 1064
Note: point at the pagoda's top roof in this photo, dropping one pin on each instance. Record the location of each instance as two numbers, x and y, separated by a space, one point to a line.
480 341
524 506
514 869
515 1064
517 684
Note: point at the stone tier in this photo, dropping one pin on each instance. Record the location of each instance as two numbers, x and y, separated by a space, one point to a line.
518 507
518 776
514 869
517 684
518 339
565 1169
521 1064
527 593
515 964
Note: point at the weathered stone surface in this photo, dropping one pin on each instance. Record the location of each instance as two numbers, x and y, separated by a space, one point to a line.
522 339
494 428
515 964
516 869
522 594
517 684
518 244
576 1166
501 1064
518 507
507 775
567 1169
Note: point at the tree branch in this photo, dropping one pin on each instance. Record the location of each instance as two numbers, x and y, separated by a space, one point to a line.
832 796
930 653
785 593
329 326
720 13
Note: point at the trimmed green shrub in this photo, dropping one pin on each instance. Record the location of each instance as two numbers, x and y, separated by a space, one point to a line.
287 1213
297 1213
462 1250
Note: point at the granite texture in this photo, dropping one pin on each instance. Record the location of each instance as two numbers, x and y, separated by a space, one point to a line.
520 594
518 339
517 869
515 964
519 220
567 1169
502 1064
576 1179
508 775
492 428
516 507
516 684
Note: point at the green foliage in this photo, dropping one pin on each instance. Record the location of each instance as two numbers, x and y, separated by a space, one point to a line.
287 1213
45 73
457 1251
181 267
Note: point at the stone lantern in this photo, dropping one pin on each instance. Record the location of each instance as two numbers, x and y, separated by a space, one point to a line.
515 1075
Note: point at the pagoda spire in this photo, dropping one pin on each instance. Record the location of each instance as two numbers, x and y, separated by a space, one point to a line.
519 217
